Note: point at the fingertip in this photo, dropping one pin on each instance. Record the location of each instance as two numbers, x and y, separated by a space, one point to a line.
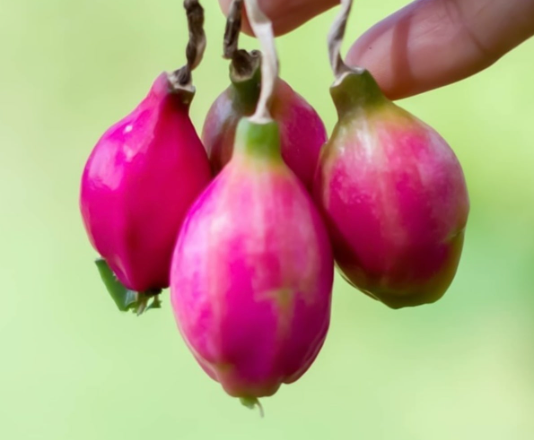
432 43
382 54
225 6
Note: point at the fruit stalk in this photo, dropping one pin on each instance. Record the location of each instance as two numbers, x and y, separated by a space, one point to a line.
263 30
196 46
233 29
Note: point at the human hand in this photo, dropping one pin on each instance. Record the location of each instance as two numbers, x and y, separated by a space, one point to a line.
427 44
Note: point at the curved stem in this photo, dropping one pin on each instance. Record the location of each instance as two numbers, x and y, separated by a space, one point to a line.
263 29
335 40
253 402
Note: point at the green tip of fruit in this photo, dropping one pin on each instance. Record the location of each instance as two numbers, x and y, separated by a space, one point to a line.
356 90
126 299
258 139
252 403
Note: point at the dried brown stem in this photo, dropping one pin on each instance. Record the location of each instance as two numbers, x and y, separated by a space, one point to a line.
233 29
197 38
182 78
244 63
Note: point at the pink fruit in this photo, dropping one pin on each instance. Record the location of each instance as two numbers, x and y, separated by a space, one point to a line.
252 272
301 129
394 197
141 178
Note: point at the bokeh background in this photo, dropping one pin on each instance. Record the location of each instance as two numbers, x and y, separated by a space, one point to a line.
73 367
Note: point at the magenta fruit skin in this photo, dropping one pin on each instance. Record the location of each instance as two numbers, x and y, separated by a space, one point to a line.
140 180
394 197
301 129
252 273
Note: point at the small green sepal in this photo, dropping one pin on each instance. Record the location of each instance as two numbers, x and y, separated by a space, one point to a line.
126 299
252 403
356 90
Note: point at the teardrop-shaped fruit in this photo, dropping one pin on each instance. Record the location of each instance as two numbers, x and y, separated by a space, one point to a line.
141 178
301 129
252 272
394 197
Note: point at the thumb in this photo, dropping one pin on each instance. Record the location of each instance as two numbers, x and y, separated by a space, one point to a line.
432 43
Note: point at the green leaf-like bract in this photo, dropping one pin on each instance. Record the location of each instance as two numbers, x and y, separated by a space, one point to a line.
125 299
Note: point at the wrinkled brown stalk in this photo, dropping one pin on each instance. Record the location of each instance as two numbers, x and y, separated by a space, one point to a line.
233 29
182 78
244 63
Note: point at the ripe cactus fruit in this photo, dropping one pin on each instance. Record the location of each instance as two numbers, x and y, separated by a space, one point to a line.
141 178
394 197
302 130
252 272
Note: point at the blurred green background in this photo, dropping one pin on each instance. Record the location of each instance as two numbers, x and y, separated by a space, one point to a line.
73 367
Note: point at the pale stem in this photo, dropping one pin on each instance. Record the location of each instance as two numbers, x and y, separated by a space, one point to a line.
335 40
263 29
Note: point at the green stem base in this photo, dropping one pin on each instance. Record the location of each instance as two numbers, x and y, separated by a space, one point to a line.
252 403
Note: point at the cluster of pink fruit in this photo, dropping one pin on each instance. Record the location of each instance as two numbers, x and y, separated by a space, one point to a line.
246 224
